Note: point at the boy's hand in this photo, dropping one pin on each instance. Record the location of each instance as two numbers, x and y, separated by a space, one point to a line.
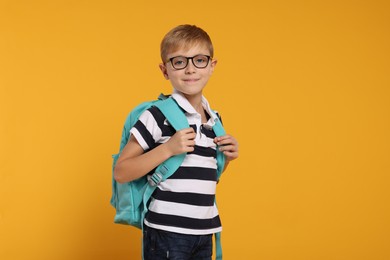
182 141
228 145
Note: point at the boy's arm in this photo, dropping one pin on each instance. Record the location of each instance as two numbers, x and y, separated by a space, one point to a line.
134 163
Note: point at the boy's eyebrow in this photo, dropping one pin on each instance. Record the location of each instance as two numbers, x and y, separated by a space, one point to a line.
189 56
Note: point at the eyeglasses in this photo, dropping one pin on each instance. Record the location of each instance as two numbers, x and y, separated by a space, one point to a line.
181 62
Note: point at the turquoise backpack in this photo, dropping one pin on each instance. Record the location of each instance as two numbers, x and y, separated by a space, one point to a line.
131 199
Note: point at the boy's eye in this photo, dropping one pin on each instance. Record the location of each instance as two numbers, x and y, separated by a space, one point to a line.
200 59
179 61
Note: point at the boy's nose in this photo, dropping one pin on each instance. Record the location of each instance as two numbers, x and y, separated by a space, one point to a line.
190 67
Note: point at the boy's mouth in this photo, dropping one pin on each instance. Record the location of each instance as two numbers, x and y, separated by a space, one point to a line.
190 80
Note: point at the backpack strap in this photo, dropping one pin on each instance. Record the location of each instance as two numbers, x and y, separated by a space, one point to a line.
178 121
218 246
219 131
173 113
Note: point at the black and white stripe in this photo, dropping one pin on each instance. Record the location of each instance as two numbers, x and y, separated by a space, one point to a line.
184 203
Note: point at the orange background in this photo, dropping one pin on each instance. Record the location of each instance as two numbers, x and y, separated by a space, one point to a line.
303 85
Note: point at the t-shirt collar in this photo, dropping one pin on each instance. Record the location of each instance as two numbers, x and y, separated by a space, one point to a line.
186 105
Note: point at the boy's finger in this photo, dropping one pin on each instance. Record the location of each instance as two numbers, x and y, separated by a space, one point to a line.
225 142
229 148
191 136
230 155
187 130
224 137
191 130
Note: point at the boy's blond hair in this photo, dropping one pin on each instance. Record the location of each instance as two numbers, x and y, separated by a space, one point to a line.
184 36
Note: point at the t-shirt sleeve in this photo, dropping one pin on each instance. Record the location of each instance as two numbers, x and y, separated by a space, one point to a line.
146 130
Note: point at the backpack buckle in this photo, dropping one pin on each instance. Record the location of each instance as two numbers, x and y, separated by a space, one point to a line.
155 179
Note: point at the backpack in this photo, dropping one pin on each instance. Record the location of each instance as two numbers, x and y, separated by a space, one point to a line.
131 199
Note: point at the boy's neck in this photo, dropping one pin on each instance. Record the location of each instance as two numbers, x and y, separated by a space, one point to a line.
195 101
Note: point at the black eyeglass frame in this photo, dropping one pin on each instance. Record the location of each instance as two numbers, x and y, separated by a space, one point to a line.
192 60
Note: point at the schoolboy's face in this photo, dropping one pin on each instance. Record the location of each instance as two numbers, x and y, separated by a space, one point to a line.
191 80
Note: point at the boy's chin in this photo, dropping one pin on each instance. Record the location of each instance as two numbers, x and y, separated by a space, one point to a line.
189 92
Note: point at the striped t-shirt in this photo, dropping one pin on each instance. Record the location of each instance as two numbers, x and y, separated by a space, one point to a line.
184 203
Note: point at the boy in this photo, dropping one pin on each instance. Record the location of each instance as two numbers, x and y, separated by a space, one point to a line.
182 215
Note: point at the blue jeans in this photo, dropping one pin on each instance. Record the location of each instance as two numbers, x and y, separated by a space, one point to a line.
160 244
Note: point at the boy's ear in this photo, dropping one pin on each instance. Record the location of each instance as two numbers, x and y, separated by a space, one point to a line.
213 64
164 70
